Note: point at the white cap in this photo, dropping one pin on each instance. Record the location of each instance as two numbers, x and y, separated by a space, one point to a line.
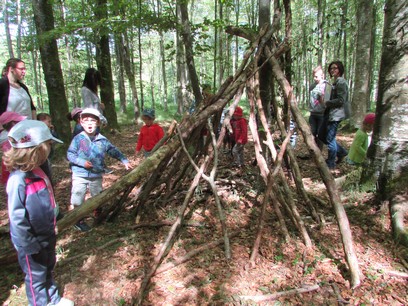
30 133
91 111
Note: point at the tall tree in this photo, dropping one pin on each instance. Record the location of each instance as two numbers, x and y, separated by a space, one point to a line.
7 29
44 21
363 69
103 62
389 153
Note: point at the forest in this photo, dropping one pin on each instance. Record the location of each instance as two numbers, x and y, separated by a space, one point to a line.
184 227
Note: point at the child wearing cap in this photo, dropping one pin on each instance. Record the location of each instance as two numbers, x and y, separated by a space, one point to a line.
150 133
75 115
7 121
31 208
358 149
240 135
86 155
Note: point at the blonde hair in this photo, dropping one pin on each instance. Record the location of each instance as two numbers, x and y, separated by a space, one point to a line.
317 69
26 159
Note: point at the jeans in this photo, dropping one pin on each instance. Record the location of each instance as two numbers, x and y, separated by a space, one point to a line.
334 148
315 122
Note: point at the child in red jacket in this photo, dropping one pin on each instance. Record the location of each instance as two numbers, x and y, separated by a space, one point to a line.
150 133
240 135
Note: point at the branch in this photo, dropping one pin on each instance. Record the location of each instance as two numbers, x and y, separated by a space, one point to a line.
271 297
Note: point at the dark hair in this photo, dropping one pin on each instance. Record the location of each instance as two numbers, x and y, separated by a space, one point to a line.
339 65
92 80
43 116
11 63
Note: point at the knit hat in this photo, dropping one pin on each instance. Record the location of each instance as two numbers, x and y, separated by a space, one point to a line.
7 117
238 112
91 111
30 133
76 111
149 112
369 118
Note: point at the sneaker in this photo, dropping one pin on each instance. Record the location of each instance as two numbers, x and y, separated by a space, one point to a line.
82 226
340 158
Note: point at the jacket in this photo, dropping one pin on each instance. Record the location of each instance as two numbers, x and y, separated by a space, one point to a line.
338 100
5 91
317 91
358 149
149 136
239 130
31 207
83 148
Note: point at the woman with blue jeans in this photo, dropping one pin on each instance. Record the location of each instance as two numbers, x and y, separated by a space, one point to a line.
336 112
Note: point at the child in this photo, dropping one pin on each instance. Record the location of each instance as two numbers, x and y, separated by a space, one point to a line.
358 149
31 207
7 121
86 155
150 133
240 135
319 92
75 115
46 118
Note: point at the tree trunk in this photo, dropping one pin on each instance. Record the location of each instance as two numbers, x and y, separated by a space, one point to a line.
188 48
7 29
390 138
120 71
44 21
361 91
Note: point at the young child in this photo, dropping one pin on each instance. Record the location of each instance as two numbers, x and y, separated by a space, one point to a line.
358 149
7 121
240 134
319 92
150 133
31 207
86 155
46 118
75 115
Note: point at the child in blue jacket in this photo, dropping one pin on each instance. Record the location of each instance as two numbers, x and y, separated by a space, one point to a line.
31 208
86 155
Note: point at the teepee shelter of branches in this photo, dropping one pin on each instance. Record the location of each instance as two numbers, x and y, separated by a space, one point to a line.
184 161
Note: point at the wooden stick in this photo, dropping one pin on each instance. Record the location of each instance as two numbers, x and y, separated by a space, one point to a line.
274 296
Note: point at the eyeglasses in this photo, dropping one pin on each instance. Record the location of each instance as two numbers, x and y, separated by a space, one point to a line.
89 120
334 68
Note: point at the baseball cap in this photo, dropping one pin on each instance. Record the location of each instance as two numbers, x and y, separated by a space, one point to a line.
369 118
30 133
149 112
91 111
7 117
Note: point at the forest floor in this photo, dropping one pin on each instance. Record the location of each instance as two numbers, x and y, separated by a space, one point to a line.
106 265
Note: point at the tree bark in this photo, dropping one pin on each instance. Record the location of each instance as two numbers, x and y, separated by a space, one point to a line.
388 151
361 91
44 21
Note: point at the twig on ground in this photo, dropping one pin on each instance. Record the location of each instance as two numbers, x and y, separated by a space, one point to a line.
274 296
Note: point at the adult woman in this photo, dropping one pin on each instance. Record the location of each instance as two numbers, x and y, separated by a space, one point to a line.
89 90
335 108
14 95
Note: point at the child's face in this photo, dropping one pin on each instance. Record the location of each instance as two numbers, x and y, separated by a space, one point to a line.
90 124
318 76
368 127
48 122
147 120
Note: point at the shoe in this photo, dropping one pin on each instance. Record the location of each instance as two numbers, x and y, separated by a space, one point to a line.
63 302
82 226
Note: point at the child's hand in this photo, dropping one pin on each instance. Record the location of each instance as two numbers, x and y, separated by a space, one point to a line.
128 166
88 165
